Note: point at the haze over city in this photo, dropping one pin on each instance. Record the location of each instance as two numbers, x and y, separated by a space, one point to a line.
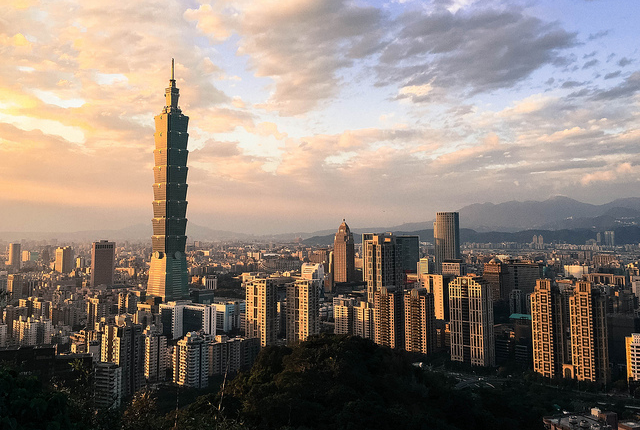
307 112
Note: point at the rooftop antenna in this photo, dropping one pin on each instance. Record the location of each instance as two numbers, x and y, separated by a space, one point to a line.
172 70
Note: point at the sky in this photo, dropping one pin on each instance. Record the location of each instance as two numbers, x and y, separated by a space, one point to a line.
305 112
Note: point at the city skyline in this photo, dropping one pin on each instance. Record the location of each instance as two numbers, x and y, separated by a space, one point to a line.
315 111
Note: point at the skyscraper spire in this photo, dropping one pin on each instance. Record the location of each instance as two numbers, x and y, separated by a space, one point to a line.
168 268
172 93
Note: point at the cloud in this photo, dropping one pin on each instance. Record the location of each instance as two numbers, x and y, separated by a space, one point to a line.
458 51
300 44
608 175
612 74
627 88
624 61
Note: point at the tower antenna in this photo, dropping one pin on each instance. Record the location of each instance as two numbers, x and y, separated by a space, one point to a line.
172 70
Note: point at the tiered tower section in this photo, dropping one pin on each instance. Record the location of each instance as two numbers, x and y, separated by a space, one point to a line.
168 269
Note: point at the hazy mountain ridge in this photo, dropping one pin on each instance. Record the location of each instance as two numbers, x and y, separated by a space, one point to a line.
556 213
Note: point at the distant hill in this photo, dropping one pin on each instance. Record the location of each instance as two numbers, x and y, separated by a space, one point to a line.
554 214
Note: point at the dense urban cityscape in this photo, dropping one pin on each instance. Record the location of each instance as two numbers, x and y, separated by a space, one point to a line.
192 312
516 315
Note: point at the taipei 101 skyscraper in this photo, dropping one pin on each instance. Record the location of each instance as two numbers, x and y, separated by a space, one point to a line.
168 269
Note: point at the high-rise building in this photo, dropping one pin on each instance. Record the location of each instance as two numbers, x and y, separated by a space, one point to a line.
438 285
446 235
64 260
344 269
303 310
496 273
261 312
15 286
363 325
549 322
632 344
454 268
156 356
232 355
230 315
589 347
343 314
32 331
107 379
122 343
388 317
409 252
420 321
168 277
382 266
569 328
471 313
103 258
14 257
181 317
97 308
191 361
504 277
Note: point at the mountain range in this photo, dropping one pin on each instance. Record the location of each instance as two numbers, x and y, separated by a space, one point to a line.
553 215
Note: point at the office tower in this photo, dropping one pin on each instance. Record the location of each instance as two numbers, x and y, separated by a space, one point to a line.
14 257
15 286
107 385
438 285
523 276
446 236
382 265
103 260
260 320
168 277
496 274
344 269
570 332
388 317
632 349
504 277
343 314
191 361
64 260
231 355
303 310
471 312
588 317
420 321
122 343
409 252
156 355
